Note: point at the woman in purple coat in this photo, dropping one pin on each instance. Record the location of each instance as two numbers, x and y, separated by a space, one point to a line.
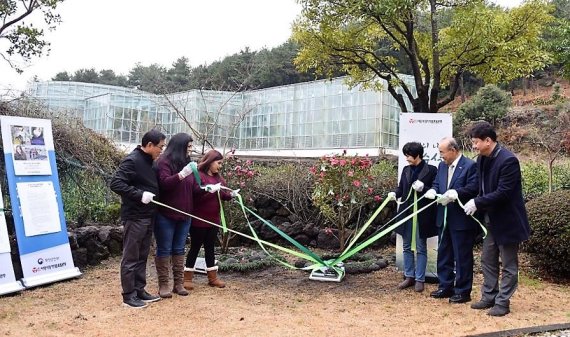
207 208
171 228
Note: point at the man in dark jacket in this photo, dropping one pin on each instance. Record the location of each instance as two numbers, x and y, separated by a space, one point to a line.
456 179
501 203
136 182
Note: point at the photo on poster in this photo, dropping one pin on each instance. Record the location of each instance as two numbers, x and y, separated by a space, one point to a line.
29 150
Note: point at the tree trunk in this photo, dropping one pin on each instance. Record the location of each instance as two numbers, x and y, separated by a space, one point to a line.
550 174
462 88
342 237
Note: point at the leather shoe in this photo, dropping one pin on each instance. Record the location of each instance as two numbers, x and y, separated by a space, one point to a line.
458 298
441 293
482 305
498 311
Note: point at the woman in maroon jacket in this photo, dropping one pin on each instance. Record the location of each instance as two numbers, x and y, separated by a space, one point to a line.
207 208
175 181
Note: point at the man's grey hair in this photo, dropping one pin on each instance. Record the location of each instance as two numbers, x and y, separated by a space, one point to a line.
451 143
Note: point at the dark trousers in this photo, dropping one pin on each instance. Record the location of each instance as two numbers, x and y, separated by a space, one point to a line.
455 261
198 237
137 235
491 291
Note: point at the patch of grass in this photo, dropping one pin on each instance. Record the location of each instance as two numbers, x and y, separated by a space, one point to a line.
530 282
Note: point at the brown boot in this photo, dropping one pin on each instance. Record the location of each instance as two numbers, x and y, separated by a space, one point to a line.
188 275
213 279
408 282
178 274
163 270
419 287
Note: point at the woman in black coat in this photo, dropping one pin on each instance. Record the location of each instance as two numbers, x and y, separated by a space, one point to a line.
418 176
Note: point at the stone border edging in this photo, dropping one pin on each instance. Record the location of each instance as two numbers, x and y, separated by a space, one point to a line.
522 331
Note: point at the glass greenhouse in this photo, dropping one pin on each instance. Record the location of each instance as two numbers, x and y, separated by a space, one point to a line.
318 115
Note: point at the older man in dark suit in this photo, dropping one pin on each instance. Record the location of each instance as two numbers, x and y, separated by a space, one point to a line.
456 179
501 203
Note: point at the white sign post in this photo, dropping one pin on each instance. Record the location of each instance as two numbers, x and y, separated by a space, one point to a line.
427 129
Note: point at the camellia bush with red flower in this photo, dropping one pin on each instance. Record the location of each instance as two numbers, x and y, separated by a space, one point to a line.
343 186
238 174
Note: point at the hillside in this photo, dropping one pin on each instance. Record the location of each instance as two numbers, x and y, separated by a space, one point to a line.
542 90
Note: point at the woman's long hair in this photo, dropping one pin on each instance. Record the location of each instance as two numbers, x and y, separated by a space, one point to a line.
207 160
176 151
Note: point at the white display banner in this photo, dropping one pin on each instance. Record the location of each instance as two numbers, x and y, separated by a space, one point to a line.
8 283
427 129
4 240
39 207
35 197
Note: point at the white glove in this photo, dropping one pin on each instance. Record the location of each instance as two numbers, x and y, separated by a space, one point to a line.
213 188
430 194
444 200
147 197
451 195
470 207
392 195
234 193
418 186
187 170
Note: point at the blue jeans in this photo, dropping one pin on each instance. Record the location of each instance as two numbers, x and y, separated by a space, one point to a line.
170 235
416 270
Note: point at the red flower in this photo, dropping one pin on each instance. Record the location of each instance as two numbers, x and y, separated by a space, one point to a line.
377 198
356 183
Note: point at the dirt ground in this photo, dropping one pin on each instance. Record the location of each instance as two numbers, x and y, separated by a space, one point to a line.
273 302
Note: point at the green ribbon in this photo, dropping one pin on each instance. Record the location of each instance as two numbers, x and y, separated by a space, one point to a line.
414 222
373 238
222 216
196 173
305 253
366 225
286 250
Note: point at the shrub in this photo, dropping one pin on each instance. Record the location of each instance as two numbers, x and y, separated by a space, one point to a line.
549 244
86 197
489 104
239 174
535 178
385 176
343 186
291 185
